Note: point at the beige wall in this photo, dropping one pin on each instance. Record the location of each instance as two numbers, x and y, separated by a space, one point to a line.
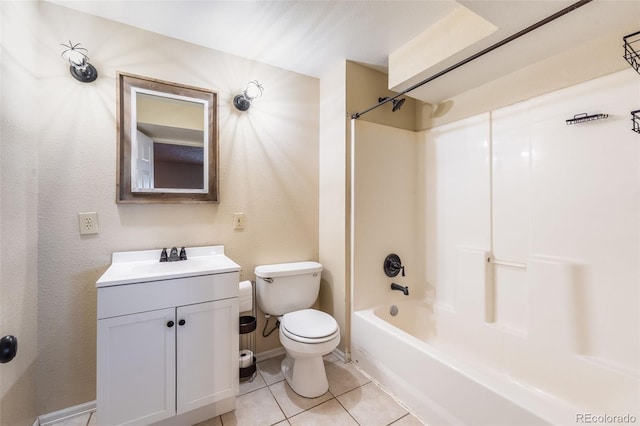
364 86
347 88
334 289
385 213
18 210
268 170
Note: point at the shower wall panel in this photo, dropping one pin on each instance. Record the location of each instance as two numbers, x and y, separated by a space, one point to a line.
559 204
457 202
510 183
585 205
384 206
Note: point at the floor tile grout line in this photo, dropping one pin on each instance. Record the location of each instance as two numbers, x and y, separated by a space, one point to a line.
398 419
385 390
277 403
350 390
348 412
306 409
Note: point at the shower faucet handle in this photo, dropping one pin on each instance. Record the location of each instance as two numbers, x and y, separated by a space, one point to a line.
398 265
393 265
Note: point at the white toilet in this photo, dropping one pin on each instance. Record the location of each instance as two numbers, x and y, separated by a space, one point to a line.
287 290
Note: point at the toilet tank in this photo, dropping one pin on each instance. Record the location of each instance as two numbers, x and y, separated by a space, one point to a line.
286 287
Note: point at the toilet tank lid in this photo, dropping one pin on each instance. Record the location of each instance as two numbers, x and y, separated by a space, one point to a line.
284 269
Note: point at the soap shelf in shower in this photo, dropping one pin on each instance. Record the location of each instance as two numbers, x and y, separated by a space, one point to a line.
582 118
632 50
635 119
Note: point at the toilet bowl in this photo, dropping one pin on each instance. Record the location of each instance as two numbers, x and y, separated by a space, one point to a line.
307 335
288 290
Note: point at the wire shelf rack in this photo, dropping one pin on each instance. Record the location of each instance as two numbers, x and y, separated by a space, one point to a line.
582 118
632 50
635 119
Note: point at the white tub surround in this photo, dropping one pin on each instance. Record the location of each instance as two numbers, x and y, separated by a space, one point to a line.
523 234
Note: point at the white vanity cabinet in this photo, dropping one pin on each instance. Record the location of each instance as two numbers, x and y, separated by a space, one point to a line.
167 349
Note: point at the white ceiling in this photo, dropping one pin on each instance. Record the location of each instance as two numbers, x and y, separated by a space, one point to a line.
302 36
310 36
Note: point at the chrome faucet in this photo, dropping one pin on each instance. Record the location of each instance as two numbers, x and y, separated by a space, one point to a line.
403 289
173 255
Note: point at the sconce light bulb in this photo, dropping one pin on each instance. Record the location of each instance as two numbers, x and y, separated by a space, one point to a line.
80 67
76 58
243 100
253 90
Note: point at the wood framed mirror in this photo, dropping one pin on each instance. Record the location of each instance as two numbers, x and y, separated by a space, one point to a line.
167 142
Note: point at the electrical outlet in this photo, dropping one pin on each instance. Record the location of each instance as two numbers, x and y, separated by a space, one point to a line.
238 221
88 223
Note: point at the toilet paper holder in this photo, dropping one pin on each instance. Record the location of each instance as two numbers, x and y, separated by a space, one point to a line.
247 325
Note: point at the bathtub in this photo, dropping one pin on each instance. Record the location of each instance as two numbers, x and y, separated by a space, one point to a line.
445 383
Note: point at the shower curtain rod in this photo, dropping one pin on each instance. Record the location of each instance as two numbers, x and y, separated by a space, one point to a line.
520 33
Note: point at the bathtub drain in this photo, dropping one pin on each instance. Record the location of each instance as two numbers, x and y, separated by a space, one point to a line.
393 311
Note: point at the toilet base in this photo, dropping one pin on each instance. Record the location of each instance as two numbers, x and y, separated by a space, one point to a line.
306 375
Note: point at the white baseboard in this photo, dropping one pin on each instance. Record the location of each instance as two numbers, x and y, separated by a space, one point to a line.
343 355
269 354
88 407
65 414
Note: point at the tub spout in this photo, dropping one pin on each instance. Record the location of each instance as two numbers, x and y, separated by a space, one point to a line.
403 289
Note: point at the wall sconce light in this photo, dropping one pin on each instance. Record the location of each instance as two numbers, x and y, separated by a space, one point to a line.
253 91
80 67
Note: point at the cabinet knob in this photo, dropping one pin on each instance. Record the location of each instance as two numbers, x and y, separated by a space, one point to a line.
170 324
182 322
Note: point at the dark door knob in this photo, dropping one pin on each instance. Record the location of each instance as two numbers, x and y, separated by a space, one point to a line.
170 324
182 322
8 348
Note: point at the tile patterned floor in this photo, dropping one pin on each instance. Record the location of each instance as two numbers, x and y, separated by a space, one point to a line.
268 400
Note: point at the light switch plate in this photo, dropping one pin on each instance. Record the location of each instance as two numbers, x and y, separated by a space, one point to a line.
238 221
88 223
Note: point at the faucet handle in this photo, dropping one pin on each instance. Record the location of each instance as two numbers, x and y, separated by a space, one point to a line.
163 255
183 254
393 265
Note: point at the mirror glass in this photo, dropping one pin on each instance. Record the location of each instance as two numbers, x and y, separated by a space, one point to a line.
167 142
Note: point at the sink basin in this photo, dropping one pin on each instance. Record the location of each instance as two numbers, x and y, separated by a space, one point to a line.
156 267
141 266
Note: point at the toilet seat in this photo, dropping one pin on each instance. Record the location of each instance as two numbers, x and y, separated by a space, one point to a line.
309 326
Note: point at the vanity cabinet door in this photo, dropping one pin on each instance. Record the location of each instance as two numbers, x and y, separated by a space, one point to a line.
207 353
136 368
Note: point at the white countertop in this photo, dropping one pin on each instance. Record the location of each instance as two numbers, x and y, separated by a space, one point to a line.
143 266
